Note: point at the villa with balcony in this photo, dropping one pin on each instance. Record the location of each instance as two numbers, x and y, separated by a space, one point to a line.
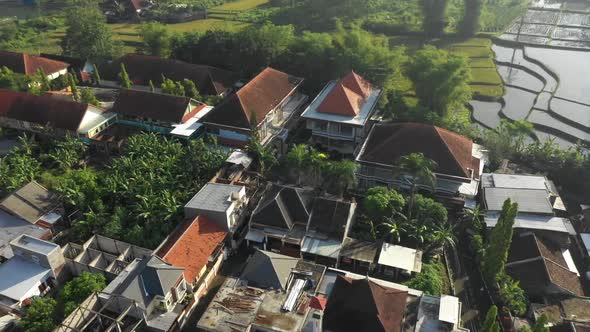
338 117
267 104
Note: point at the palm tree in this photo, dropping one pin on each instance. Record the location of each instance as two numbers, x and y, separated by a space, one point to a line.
419 233
473 218
28 144
393 229
315 160
296 158
442 235
416 169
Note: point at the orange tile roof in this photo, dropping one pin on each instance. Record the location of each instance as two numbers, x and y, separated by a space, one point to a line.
256 99
347 97
29 64
191 247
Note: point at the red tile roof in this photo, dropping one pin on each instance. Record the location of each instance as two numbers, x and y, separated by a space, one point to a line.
452 152
143 68
363 305
260 96
347 97
156 106
43 110
318 303
191 246
29 64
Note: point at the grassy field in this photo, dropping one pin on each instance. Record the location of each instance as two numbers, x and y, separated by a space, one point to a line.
485 78
127 32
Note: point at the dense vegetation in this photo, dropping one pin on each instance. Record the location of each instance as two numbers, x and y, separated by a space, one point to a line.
137 197
45 313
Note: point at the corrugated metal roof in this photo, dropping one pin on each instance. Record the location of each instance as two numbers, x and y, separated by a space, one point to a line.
326 248
359 250
213 197
531 221
516 181
529 200
401 257
449 309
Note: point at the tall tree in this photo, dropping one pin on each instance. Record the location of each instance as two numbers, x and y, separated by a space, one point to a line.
124 80
383 202
87 97
440 78
39 316
434 17
415 169
190 89
156 39
172 88
78 289
490 324
470 24
496 252
73 87
95 74
87 34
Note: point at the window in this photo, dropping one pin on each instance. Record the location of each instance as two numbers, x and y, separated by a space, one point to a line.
35 259
345 130
321 126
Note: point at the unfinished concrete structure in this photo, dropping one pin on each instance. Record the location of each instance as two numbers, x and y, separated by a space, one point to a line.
102 255
104 312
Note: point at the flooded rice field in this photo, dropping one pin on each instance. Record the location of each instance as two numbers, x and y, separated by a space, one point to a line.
546 72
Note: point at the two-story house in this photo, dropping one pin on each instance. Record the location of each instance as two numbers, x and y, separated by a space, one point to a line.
223 204
158 112
52 116
265 104
32 271
27 64
338 117
459 161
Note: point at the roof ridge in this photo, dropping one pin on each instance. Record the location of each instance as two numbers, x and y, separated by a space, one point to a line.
446 144
284 211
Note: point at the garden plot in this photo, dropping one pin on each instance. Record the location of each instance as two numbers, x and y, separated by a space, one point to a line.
520 78
574 112
572 68
486 113
544 119
509 55
543 100
561 142
575 19
541 16
518 103
577 34
530 29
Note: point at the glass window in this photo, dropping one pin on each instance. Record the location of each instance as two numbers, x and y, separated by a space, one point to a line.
345 130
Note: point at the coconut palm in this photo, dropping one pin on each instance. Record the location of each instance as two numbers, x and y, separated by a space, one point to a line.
394 228
442 235
473 218
296 158
415 169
